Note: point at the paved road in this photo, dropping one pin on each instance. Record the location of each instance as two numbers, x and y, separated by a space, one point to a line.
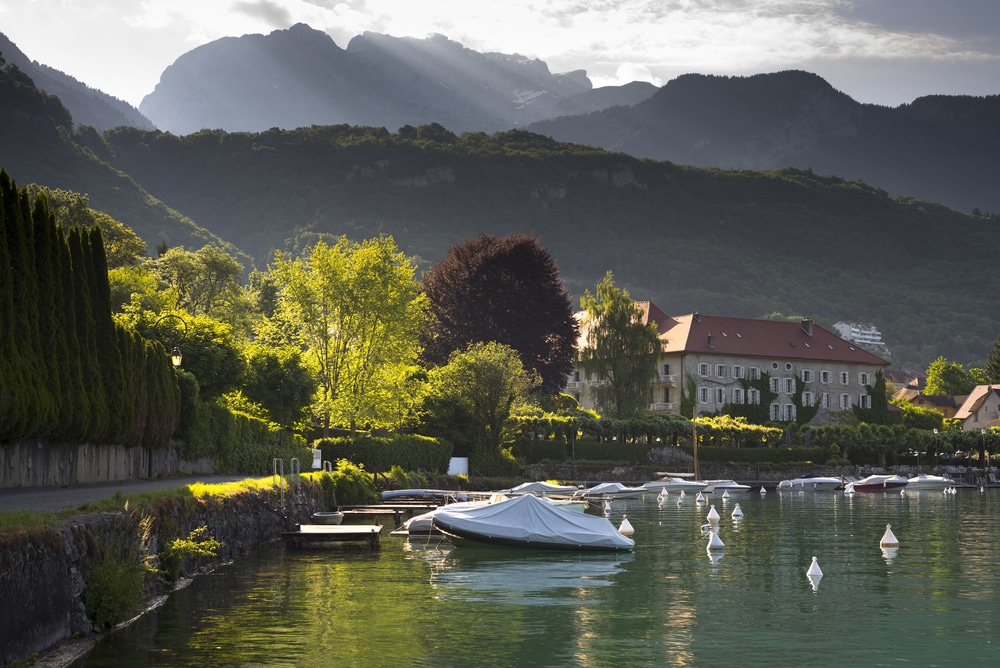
52 499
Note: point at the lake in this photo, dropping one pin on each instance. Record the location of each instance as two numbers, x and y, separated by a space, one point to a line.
418 602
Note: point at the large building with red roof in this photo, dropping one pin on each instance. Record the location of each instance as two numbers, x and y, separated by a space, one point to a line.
712 354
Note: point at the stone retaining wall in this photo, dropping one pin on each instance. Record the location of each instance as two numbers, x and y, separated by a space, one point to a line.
43 573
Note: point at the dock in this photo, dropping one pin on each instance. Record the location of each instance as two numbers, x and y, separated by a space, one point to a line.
323 533
397 510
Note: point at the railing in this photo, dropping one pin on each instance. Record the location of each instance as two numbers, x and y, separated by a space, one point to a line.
667 378
663 408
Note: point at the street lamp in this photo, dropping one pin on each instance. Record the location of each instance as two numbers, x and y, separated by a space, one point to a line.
175 359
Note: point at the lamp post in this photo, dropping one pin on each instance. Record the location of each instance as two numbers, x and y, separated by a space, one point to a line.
176 358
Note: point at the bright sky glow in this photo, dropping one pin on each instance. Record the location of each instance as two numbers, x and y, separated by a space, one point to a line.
881 51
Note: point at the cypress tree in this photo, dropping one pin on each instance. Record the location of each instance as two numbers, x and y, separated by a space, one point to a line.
76 400
10 377
108 355
49 323
87 336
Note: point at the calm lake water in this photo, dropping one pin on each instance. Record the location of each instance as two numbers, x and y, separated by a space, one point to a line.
935 602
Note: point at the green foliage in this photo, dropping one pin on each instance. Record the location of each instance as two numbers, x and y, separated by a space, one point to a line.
407 451
878 413
621 350
197 544
991 372
503 289
917 417
348 484
946 378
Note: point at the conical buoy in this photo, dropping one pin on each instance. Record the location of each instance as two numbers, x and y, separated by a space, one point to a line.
625 528
888 538
725 494
714 542
737 512
814 569
713 515
607 506
763 490
663 493
849 490
700 498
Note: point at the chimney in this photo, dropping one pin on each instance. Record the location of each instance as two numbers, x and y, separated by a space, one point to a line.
807 326
697 316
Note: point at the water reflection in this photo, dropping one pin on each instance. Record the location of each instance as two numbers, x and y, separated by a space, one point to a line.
510 576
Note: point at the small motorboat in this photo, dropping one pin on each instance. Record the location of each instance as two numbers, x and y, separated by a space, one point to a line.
529 522
611 490
813 482
720 486
924 481
334 517
674 485
541 488
878 483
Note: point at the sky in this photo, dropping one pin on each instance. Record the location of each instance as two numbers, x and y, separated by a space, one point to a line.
885 52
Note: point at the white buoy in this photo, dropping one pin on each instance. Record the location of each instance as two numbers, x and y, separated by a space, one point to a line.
888 538
814 569
725 494
700 498
625 528
607 506
713 515
714 542
663 493
682 493
849 490
737 512
763 490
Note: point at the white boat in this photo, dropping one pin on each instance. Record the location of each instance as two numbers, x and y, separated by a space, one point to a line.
812 482
529 522
611 490
540 488
674 485
423 524
720 486
924 481
877 483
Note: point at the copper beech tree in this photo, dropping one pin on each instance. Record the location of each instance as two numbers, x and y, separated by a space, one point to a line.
505 290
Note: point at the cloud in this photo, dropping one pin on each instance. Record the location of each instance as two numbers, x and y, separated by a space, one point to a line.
271 13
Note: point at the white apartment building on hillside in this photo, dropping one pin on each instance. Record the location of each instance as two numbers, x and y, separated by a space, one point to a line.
862 333
716 352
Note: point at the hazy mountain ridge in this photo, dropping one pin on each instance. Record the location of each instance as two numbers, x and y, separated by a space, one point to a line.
939 148
300 77
88 106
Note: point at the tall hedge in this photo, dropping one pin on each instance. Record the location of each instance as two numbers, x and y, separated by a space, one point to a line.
409 451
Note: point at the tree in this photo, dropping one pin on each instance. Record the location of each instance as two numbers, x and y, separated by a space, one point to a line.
992 370
620 350
503 289
488 380
878 412
358 312
946 378
206 281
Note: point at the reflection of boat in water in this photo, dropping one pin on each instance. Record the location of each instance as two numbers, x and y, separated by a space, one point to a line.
539 578
530 522
812 482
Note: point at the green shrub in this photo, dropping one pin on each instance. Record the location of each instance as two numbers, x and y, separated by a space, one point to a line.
349 485
114 589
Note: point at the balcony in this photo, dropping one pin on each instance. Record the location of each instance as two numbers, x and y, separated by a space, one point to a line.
666 379
663 408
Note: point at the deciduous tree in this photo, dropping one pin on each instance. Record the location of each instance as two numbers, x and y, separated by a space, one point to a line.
946 378
621 350
503 289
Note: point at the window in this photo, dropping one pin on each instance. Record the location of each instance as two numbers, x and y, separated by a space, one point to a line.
720 370
844 378
737 371
666 369
807 398
826 400
788 366
703 369
737 395
720 395
789 386
775 384
865 400
788 414
845 401
774 365
807 375
703 395
666 395
775 412
864 378
576 376
753 396
824 377
755 373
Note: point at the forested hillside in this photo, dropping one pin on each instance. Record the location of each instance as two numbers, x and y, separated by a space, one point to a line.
728 242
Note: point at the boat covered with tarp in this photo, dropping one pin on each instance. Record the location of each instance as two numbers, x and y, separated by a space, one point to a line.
530 522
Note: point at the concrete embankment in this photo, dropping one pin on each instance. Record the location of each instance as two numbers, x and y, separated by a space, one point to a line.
44 572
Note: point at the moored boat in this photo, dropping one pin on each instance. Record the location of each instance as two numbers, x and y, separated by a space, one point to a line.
529 522
924 481
673 485
720 486
811 482
611 490
878 483
541 488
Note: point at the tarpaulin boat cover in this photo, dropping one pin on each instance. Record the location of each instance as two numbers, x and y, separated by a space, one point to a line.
527 521
540 487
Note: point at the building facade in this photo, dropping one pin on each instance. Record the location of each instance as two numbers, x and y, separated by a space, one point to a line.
712 355
864 334
981 409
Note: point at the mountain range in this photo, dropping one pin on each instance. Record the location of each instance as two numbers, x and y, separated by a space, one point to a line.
732 242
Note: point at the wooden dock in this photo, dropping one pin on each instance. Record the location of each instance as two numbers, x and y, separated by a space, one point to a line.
397 510
323 533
